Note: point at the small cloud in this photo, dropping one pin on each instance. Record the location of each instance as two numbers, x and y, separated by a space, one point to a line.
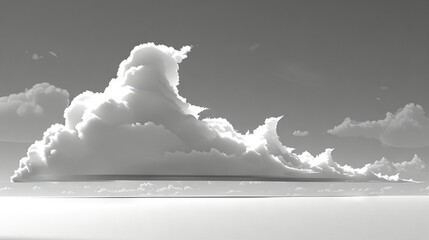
415 164
146 184
144 187
5 188
67 192
254 47
36 188
171 188
383 88
378 99
233 191
299 189
299 133
242 183
408 127
35 56
53 54
105 190
328 190
415 168
122 190
38 56
381 191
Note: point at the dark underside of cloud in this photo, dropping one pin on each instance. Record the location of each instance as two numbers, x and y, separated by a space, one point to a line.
128 177
141 128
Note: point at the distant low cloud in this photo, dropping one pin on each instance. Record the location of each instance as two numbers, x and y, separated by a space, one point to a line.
254 47
118 191
39 56
374 192
148 188
26 115
299 133
328 190
174 189
36 56
53 54
141 126
67 192
406 128
5 188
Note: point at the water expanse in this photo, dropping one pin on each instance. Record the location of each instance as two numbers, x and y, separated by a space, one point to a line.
384 217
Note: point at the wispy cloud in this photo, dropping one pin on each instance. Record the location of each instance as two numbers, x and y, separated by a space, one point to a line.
53 54
39 56
254 47
35 56
299 133
5 188
328 190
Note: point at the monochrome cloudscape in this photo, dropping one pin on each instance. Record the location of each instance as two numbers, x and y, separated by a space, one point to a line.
141 126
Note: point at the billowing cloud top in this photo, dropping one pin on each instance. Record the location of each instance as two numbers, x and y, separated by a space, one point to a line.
141 127
25 116
407 128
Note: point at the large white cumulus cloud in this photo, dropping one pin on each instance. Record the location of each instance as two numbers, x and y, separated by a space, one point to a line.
407 128
141 126
26 115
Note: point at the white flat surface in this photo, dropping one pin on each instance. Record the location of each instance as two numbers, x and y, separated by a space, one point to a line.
215 218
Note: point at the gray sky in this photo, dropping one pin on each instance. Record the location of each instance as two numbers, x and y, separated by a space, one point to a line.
315 62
